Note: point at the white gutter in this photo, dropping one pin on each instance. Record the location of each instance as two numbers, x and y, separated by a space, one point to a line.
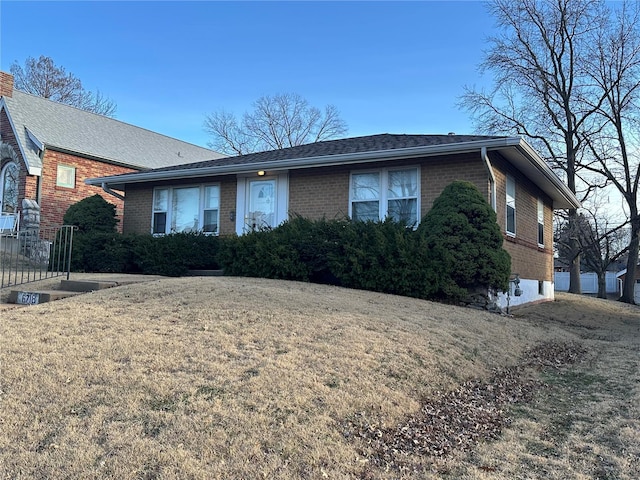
492 178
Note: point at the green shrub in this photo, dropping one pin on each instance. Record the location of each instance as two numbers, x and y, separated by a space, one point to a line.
292 251
464 244
175 254
102 252
92 214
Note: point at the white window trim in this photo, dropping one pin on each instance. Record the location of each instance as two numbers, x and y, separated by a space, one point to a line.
506 209
168 212
383 201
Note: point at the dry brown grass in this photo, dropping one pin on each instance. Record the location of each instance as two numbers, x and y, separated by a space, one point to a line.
244 378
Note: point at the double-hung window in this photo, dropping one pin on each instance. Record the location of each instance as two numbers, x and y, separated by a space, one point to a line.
385 194
540 223
186 209
511 206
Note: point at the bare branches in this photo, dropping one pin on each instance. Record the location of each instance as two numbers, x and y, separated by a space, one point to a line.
43 78
279 121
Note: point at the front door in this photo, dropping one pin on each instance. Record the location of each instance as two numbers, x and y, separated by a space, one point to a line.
261 204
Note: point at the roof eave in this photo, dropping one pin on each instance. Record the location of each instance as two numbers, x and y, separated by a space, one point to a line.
560 193
565 199
118 181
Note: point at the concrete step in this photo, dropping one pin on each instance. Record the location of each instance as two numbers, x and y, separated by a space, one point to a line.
22 297
205 273
85 285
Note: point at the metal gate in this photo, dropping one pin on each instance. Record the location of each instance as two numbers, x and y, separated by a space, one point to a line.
33 255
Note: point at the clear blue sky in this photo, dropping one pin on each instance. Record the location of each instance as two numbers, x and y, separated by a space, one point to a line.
389 67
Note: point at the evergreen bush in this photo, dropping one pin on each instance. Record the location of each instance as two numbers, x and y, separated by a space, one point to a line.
464 244
92 214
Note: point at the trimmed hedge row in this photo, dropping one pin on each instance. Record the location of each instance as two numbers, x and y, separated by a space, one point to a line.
456 250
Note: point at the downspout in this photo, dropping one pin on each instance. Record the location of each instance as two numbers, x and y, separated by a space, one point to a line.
492 177
106 188
39 180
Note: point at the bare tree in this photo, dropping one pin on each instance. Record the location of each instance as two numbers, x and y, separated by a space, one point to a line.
603 239
615 151
279 121
540 86
43 78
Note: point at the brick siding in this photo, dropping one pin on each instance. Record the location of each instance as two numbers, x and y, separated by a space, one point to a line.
528 259
324 192
55 200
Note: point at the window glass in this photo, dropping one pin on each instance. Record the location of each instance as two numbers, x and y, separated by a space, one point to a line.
159 222
388 193
511 205
185 209
211 197
160 199
262 204
540 222
211 208
403 186
365 211
365 186
403 183
66 176
404 211
9 188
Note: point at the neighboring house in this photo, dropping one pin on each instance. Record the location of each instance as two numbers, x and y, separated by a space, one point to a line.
365 178
621 275
48 149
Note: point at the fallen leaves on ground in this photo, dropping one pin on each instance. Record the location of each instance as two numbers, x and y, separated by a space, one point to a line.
457 419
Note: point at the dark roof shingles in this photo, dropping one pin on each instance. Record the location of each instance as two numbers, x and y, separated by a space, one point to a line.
344 146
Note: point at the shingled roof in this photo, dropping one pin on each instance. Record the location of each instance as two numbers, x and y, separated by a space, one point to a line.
343 146
359 150
39 122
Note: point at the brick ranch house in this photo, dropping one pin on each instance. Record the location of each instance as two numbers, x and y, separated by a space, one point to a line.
48 149
364 178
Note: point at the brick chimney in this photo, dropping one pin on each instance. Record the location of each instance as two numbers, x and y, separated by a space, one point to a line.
6 84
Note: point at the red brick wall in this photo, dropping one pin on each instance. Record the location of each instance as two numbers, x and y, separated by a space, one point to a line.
324 192
55 200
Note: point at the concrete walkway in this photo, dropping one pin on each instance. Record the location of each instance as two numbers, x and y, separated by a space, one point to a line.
56 288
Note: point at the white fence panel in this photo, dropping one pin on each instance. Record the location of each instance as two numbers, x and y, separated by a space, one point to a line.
589 282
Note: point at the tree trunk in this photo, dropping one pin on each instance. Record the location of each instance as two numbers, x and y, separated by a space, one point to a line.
628 288
574 249
602 284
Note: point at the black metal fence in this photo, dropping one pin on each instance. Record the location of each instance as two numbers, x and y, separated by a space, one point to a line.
32 255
